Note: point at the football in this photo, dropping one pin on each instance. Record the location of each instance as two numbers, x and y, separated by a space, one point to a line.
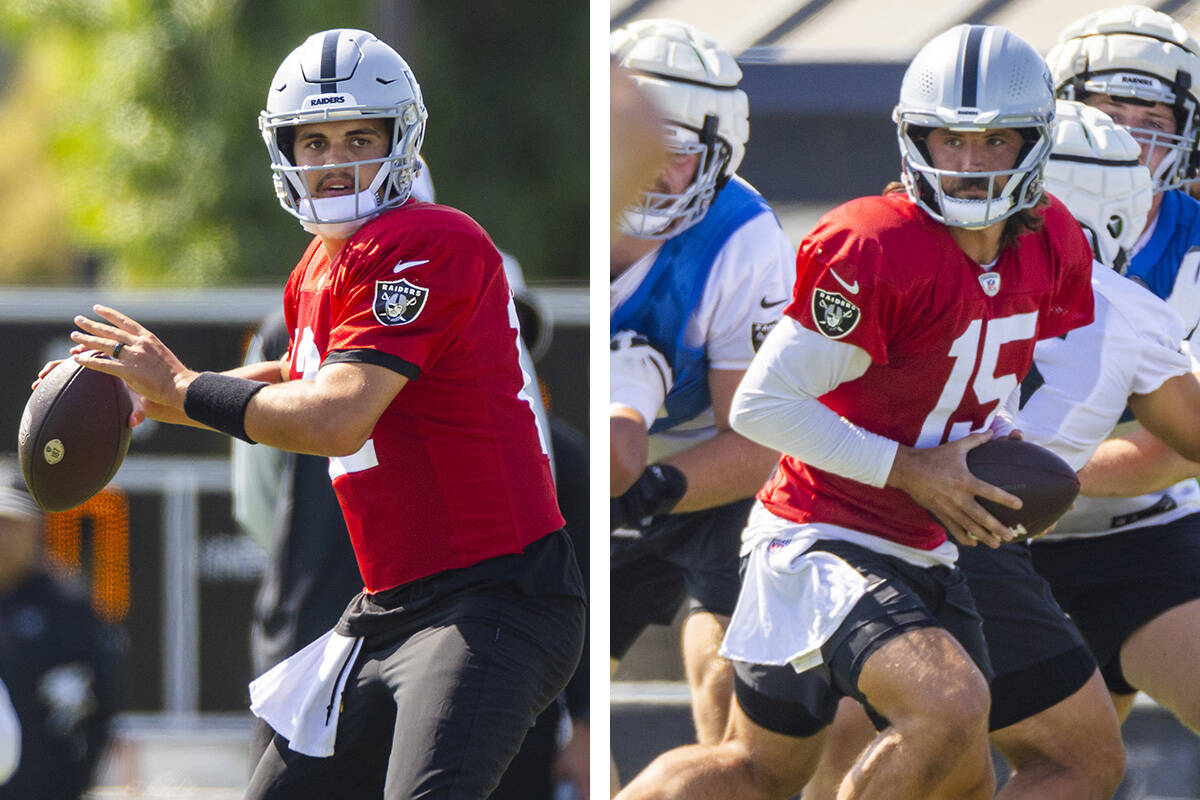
1045 483
74 435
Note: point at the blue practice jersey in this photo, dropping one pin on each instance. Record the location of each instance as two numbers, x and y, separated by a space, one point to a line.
672 291
1169 263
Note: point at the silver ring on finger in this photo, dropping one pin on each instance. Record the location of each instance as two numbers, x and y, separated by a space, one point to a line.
117 350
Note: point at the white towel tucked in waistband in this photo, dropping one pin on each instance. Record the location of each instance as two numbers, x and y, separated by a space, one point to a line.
301 697
791 602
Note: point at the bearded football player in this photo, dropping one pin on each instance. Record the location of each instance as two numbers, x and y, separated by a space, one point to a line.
911 320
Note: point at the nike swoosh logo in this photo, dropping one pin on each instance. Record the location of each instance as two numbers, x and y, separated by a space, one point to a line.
406 264
386 82
772 303
852 288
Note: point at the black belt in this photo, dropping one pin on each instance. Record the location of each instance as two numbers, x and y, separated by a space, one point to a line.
1164 505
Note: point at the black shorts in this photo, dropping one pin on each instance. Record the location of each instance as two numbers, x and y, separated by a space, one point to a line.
1112 585
679 555
453 671
1039 657
900 598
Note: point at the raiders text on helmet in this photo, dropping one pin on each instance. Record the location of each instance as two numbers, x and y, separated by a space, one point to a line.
335 75
1094 170
975 78
693 82
1137 53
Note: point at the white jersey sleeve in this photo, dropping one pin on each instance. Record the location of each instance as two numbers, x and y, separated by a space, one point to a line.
778 405
1132 347
1081 383
749 286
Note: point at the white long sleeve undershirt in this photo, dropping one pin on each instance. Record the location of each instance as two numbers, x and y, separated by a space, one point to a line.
778 404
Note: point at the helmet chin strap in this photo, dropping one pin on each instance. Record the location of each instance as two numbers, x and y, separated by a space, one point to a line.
1164 168
351 211
973 214
340 207
645 223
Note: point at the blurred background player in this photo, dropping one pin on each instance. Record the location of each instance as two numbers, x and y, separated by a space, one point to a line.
284 501
403 369
699 274
554 760
884 372
61 664
1138 601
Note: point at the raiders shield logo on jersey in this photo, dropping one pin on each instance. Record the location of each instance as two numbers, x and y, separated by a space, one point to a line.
398 302
834 314
759 331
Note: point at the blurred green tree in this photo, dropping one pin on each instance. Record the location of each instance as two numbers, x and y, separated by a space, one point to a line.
129 127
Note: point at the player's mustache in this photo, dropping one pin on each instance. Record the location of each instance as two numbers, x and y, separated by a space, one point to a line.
339 177
956 185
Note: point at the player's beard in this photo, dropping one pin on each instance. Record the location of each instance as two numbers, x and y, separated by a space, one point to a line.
966 202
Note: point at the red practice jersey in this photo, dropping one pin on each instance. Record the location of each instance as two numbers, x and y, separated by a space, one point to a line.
454 471
948 340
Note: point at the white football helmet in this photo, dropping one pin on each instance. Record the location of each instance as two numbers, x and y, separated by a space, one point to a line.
975 78
693 82
335 75
1094 170
1137 53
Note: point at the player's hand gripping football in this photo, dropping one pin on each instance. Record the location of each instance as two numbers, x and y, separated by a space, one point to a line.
135 355
937 478
137 414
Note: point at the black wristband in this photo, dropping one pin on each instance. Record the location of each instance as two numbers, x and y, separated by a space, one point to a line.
658 490
219 401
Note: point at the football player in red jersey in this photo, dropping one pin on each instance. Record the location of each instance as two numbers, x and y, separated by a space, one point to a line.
914 315
403 369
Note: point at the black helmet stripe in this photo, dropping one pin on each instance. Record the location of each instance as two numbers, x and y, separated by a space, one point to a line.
1103 162
329 49
970 66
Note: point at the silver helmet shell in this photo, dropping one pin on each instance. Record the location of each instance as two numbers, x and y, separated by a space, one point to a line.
335 75
975 78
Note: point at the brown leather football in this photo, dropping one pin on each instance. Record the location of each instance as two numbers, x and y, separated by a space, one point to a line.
1045 483
74 435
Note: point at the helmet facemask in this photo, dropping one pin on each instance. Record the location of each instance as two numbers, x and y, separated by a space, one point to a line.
975 79
660 214
343 214
1021 190
1142 56
1179 161
693 83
